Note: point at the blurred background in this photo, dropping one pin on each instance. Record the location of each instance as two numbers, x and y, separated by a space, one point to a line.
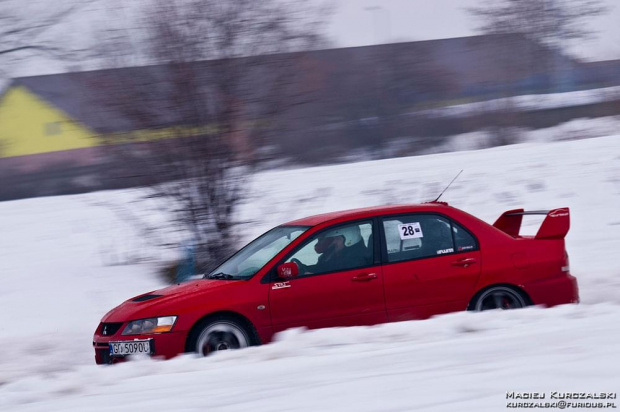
143 141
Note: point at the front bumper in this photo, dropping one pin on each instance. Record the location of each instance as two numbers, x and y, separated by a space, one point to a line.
165 345
554 291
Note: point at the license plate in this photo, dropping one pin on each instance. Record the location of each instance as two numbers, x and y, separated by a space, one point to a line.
131 347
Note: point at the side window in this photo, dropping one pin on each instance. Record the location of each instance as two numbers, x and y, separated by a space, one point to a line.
336 249
416 237
463 240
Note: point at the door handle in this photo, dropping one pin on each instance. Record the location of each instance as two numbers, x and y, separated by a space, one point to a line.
364 277
464 262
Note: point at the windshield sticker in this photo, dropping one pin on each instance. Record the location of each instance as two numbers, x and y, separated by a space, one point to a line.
462 248
444 251
410 231
280 285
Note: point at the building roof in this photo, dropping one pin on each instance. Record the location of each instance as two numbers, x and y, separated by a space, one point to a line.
83 96
94 98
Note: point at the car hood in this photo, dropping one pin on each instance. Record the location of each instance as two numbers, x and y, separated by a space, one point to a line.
167 301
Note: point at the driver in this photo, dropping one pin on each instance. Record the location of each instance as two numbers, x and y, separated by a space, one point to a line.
339 249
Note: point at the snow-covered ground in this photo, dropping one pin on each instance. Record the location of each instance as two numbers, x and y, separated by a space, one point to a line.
531 102
457 362
67 260
573 130
576 129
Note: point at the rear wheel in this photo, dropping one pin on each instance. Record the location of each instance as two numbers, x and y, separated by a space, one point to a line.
499 297
219 333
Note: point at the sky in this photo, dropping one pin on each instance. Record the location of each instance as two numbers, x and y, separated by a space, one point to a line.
352 23
405 20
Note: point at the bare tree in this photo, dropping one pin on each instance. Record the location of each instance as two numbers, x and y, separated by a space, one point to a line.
221 75
552 23
24 30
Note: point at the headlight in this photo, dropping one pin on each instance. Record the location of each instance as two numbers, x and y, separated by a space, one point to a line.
151 325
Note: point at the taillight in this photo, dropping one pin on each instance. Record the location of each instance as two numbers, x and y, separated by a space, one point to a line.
566 263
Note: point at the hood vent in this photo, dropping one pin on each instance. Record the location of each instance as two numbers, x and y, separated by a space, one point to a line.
144 298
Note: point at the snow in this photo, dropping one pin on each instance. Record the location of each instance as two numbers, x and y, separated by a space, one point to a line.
68 260
531 102
583 128
64 265
464 360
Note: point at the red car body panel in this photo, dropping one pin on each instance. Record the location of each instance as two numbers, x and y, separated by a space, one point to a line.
414 289
421 288
336 301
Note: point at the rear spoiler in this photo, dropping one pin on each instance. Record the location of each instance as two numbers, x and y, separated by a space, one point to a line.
555 225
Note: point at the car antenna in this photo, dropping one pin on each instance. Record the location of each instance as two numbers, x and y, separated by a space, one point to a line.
447 187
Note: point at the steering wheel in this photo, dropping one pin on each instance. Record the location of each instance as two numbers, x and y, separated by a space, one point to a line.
302 268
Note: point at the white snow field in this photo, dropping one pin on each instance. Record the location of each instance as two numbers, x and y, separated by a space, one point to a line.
65 261
573 130
532 102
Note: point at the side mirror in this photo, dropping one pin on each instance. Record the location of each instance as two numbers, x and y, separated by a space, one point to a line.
288 270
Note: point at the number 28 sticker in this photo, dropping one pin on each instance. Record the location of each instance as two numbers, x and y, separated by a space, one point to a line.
410 230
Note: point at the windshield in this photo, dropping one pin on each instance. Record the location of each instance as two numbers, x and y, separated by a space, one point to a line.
249 260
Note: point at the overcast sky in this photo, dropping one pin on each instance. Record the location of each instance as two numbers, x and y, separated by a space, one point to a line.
350 25
402 20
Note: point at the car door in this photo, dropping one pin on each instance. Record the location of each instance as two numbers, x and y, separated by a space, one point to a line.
431 265
347 294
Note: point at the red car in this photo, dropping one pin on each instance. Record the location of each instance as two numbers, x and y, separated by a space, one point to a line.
358 267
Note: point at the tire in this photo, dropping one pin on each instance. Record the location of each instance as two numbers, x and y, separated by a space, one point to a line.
499 297
221 332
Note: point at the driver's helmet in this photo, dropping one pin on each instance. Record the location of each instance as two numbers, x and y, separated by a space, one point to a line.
351 234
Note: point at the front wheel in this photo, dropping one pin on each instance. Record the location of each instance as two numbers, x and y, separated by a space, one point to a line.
498 297
221 333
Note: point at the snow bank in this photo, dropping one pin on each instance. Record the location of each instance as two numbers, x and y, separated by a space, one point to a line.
64 261
577 129
531 102
465 361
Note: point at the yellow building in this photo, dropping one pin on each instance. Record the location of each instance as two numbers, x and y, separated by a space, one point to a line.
51 130
41 124
31 125
53 127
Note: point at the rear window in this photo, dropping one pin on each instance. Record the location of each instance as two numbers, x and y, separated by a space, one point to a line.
424 236
463 240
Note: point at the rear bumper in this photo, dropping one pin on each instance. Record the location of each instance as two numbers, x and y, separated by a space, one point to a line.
165 346
554 291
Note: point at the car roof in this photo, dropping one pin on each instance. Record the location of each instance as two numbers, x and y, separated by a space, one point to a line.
367 212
